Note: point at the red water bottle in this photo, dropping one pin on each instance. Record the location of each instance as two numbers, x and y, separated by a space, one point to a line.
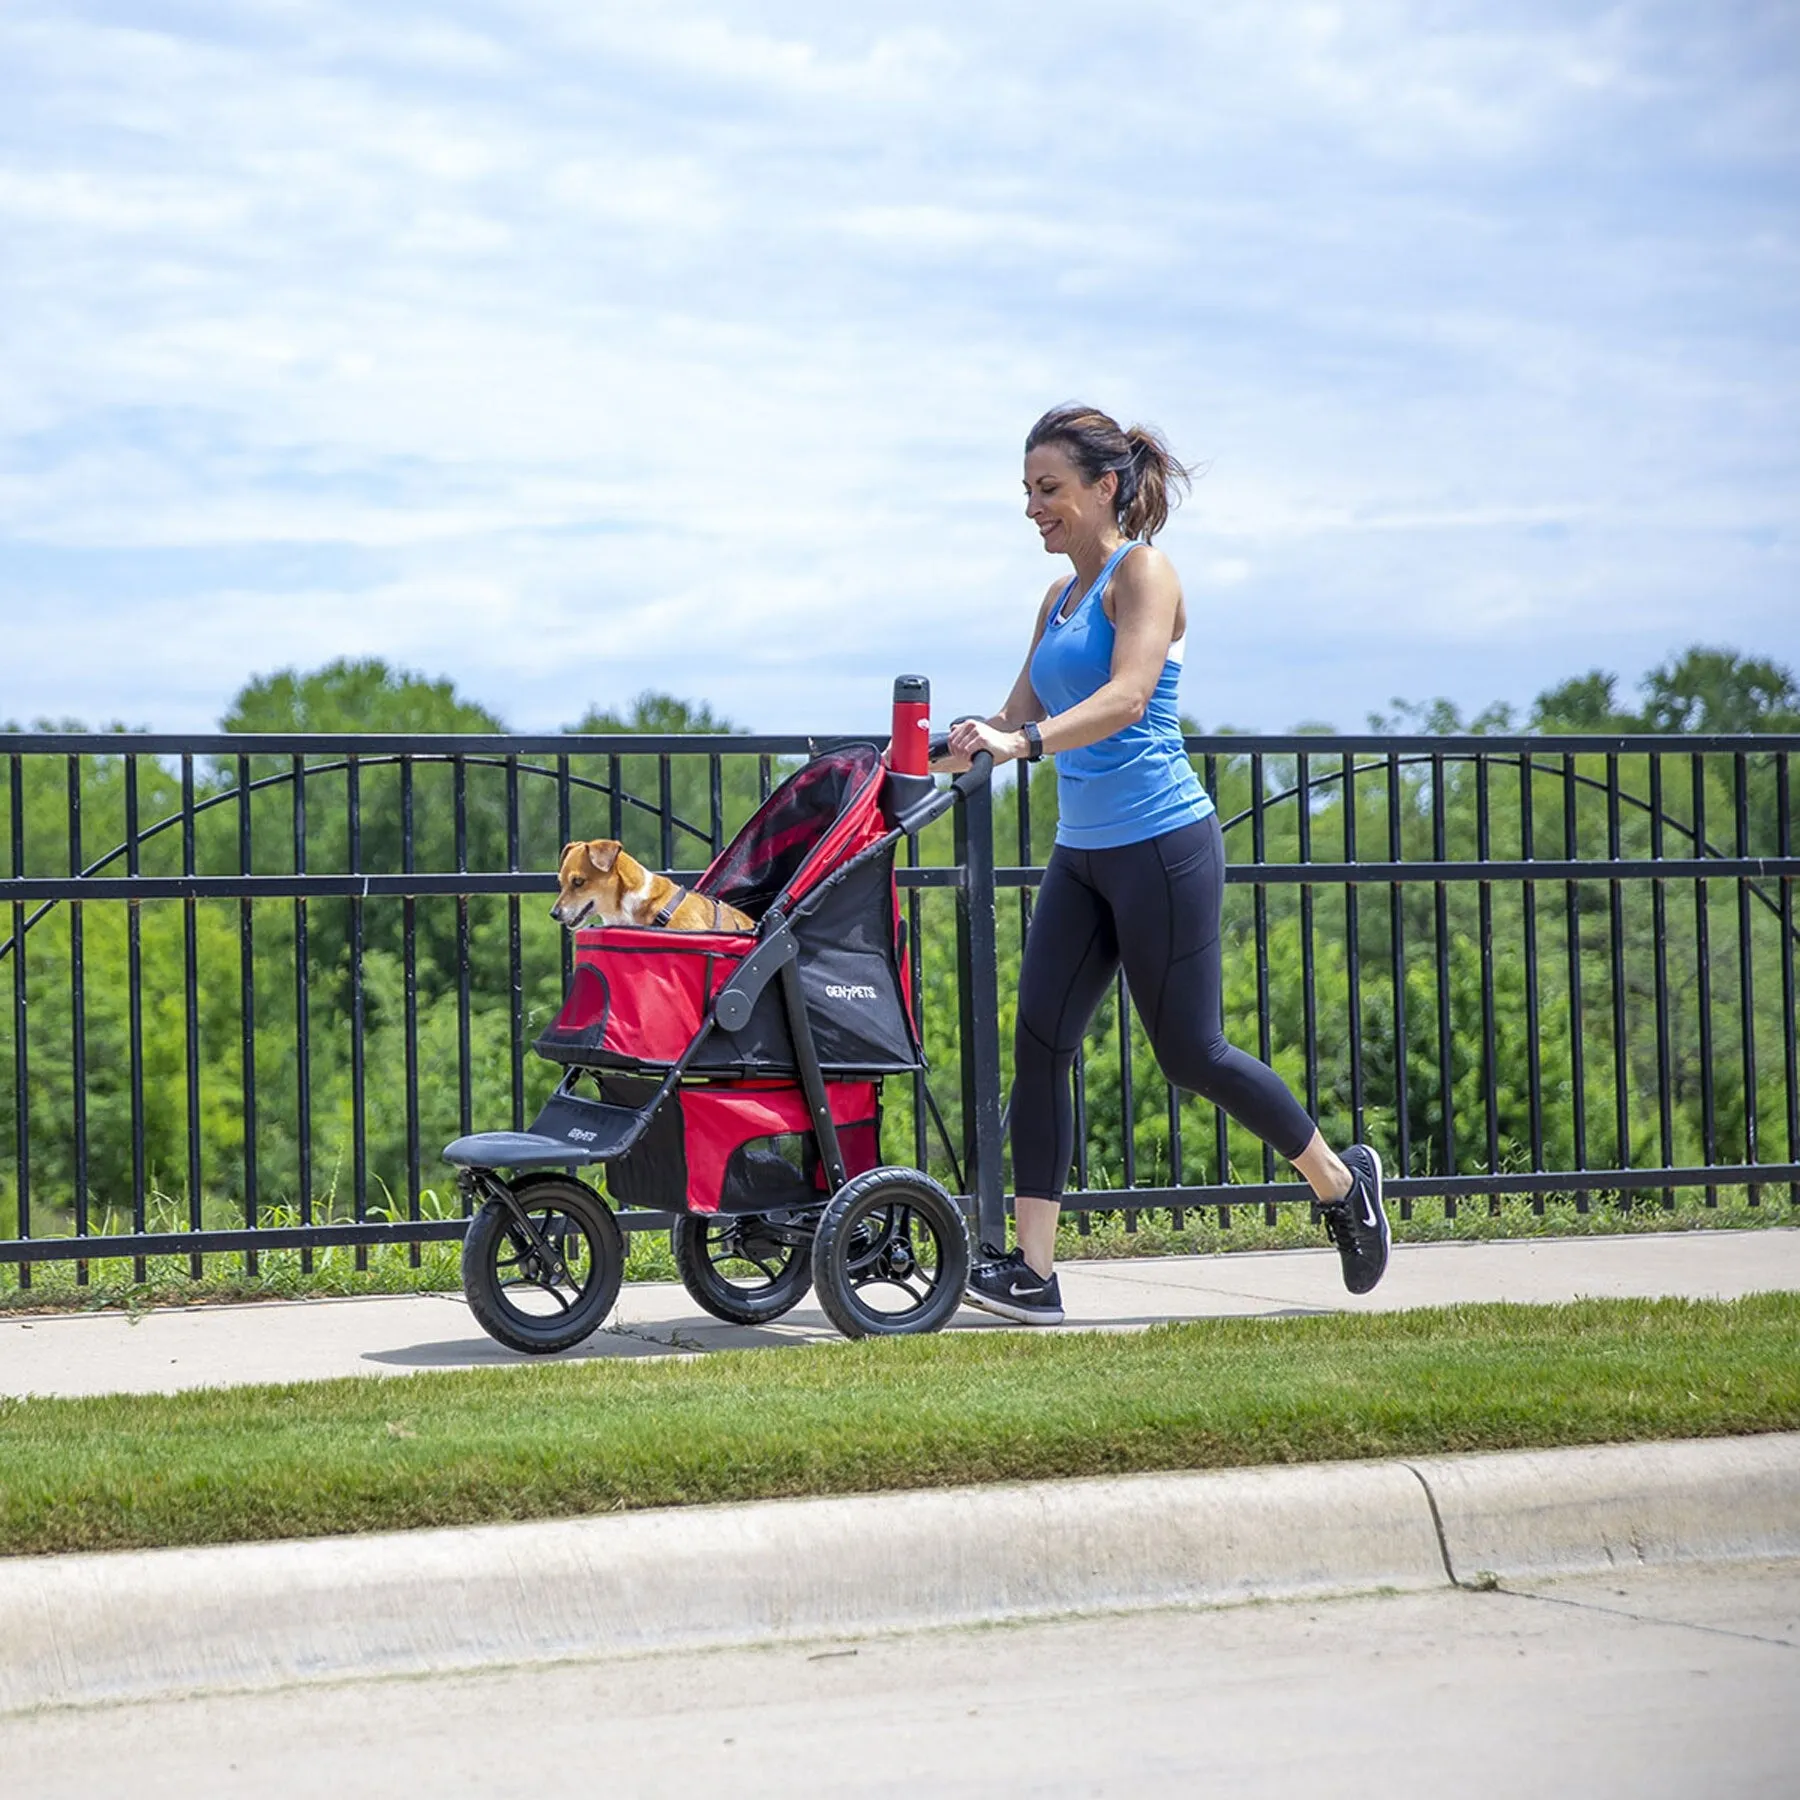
910 751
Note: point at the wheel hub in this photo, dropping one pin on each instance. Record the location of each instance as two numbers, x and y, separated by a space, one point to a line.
897 1260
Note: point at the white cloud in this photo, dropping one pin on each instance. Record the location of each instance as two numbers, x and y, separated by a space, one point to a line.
693 347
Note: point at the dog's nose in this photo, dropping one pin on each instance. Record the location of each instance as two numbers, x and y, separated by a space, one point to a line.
556 912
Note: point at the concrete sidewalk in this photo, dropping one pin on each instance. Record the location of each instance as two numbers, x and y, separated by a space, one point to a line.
173 1348
315 1340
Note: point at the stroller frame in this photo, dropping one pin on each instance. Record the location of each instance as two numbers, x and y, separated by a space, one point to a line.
862 1238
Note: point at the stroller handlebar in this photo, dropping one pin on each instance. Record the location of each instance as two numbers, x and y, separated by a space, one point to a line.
981 766
940 800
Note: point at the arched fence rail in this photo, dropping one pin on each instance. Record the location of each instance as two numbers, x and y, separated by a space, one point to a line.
253 982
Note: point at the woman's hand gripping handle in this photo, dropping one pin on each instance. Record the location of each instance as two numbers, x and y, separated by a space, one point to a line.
954 751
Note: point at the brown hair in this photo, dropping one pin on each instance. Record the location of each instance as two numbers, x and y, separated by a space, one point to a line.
1098 445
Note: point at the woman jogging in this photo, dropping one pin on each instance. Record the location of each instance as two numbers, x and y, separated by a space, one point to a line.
1138 873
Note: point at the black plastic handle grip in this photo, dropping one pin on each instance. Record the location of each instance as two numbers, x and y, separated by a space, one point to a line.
936 804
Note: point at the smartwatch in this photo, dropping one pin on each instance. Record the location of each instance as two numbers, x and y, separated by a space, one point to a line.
1034 740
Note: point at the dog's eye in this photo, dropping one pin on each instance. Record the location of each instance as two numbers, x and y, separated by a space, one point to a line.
579 881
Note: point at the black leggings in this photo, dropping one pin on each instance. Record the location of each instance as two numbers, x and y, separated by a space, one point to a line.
1155 907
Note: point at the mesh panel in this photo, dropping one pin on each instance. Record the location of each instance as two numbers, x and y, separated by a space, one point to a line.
770 852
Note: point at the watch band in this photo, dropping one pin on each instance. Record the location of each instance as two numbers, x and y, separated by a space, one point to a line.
1034 739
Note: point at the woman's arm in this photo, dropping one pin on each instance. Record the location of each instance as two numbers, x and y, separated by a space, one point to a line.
1146 604
1021 704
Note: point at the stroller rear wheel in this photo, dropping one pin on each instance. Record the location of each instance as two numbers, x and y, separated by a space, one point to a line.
891 1255
544 1295
746 1268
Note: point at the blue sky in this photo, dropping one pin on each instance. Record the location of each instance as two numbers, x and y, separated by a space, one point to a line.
571 349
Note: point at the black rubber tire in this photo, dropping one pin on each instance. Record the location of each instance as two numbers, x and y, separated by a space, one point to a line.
702 1240
493 1245
888 1234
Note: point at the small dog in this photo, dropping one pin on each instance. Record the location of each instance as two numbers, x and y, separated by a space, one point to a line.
603 884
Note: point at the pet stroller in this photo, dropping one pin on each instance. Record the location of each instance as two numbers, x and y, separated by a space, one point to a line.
733 1080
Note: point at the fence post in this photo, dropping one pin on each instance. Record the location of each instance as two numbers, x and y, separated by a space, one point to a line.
979 1013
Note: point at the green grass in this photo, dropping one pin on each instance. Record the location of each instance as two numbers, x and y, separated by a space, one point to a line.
550 1440
437 1268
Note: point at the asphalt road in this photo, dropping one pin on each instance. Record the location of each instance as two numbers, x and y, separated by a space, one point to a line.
1671 1684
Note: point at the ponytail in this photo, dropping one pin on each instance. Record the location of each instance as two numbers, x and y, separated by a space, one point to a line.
1146 468
1155 477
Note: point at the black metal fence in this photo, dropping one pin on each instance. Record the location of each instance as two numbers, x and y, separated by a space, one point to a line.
254 982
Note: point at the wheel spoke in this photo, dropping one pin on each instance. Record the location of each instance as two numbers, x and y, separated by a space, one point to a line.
928 1257
553 1268
554 1229
904 1283
769 1272
867 1253
727 1246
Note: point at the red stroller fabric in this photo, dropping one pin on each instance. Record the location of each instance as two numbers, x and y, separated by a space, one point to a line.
738 1147
640 997
720 1121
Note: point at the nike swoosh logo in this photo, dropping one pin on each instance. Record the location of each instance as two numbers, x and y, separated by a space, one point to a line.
1368 1211
1019 1293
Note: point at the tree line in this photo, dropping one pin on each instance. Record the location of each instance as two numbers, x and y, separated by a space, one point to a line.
1460 1024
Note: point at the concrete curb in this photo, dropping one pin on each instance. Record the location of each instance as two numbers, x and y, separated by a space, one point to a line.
1580 1511
84 1629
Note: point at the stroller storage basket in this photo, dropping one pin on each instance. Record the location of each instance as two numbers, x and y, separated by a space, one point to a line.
739 1148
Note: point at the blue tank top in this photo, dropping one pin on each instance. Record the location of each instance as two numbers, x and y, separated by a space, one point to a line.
1138 783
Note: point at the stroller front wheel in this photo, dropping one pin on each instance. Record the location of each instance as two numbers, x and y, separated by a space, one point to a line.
891 1255
545 1289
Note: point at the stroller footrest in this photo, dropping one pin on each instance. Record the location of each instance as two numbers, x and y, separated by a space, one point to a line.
568 1133
515 1150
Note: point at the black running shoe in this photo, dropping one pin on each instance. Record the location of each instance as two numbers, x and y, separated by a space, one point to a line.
1009 1286
1358 1224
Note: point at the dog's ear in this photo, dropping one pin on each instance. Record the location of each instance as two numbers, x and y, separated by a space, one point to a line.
569 850
603 853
